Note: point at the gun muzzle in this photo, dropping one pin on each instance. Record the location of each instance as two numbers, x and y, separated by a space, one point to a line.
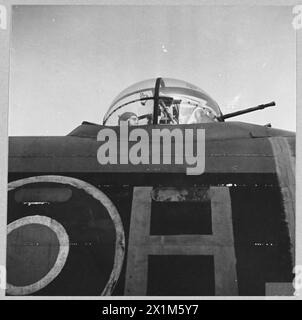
238 113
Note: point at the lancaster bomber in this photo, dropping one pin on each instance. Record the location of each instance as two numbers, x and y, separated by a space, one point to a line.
84 219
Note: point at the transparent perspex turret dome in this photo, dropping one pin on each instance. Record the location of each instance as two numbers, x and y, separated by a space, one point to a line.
162 101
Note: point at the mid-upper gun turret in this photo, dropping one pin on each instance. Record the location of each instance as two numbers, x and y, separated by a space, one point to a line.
167 101
163 101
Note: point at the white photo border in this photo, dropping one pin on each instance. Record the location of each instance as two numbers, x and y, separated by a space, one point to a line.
5 35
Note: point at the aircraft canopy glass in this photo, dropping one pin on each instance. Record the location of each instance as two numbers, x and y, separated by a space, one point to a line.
162 101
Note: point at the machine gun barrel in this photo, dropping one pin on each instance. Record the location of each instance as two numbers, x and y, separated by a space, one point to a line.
237 113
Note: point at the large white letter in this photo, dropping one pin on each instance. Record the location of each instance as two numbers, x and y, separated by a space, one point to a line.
219 244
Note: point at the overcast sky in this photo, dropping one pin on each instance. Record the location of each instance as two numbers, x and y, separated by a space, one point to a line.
69 62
